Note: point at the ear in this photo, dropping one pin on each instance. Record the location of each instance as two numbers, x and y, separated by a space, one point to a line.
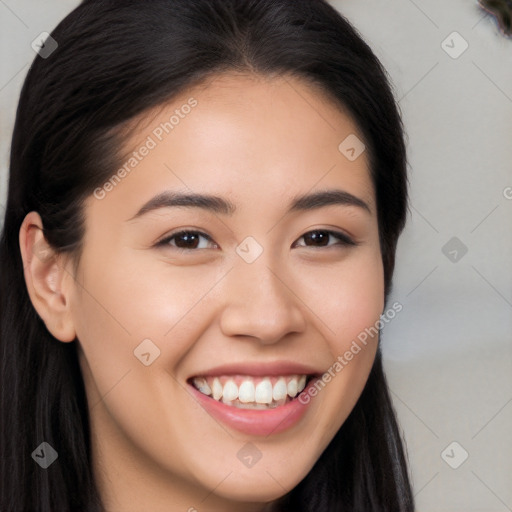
49 282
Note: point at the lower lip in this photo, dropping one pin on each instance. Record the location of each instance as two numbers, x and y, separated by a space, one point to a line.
257 422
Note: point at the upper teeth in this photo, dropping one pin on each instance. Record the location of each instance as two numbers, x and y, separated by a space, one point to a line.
248 389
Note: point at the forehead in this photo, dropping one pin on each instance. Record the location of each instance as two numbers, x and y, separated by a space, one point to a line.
247 136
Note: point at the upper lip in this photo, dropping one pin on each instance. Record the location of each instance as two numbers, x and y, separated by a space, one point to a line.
260 369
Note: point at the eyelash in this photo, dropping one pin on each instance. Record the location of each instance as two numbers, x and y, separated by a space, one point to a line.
344 240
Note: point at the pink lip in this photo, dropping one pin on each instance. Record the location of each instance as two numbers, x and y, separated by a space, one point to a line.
260 369
253 421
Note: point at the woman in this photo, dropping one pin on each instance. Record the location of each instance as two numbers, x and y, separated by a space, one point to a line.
203 210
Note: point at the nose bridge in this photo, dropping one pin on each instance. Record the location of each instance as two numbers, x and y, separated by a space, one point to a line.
259 303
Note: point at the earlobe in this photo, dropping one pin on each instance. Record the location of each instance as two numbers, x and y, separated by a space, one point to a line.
46 278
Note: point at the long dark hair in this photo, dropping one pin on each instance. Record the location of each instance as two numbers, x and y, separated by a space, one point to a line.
115 59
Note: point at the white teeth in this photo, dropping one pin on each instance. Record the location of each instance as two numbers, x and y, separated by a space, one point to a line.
246 391
280 390
302 383
230 391
263 393
292 387
216 388
202 385
247 395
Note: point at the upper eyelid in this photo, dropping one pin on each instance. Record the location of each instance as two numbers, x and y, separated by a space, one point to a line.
166 238
340 235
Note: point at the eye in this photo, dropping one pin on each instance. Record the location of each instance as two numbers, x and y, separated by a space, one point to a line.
184 240
322 237
190 240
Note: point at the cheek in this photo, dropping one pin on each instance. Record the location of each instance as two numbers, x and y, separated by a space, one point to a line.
133 298
348 301
347 297
123 303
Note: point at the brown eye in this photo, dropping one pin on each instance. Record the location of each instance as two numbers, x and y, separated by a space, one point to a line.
322 237
185 240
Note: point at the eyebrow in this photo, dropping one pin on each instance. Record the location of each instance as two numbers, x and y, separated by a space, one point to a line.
223 206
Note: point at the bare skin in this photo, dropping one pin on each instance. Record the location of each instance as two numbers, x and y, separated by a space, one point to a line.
258 143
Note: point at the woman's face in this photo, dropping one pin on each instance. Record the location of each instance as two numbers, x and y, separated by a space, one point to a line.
257 295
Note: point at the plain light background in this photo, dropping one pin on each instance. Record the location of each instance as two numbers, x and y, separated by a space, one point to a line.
448 353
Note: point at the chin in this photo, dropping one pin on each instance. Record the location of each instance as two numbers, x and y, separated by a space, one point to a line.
257 485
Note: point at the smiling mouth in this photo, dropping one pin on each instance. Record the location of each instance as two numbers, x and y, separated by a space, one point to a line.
248 392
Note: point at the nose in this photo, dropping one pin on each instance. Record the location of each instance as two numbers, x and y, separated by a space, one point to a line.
259 303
